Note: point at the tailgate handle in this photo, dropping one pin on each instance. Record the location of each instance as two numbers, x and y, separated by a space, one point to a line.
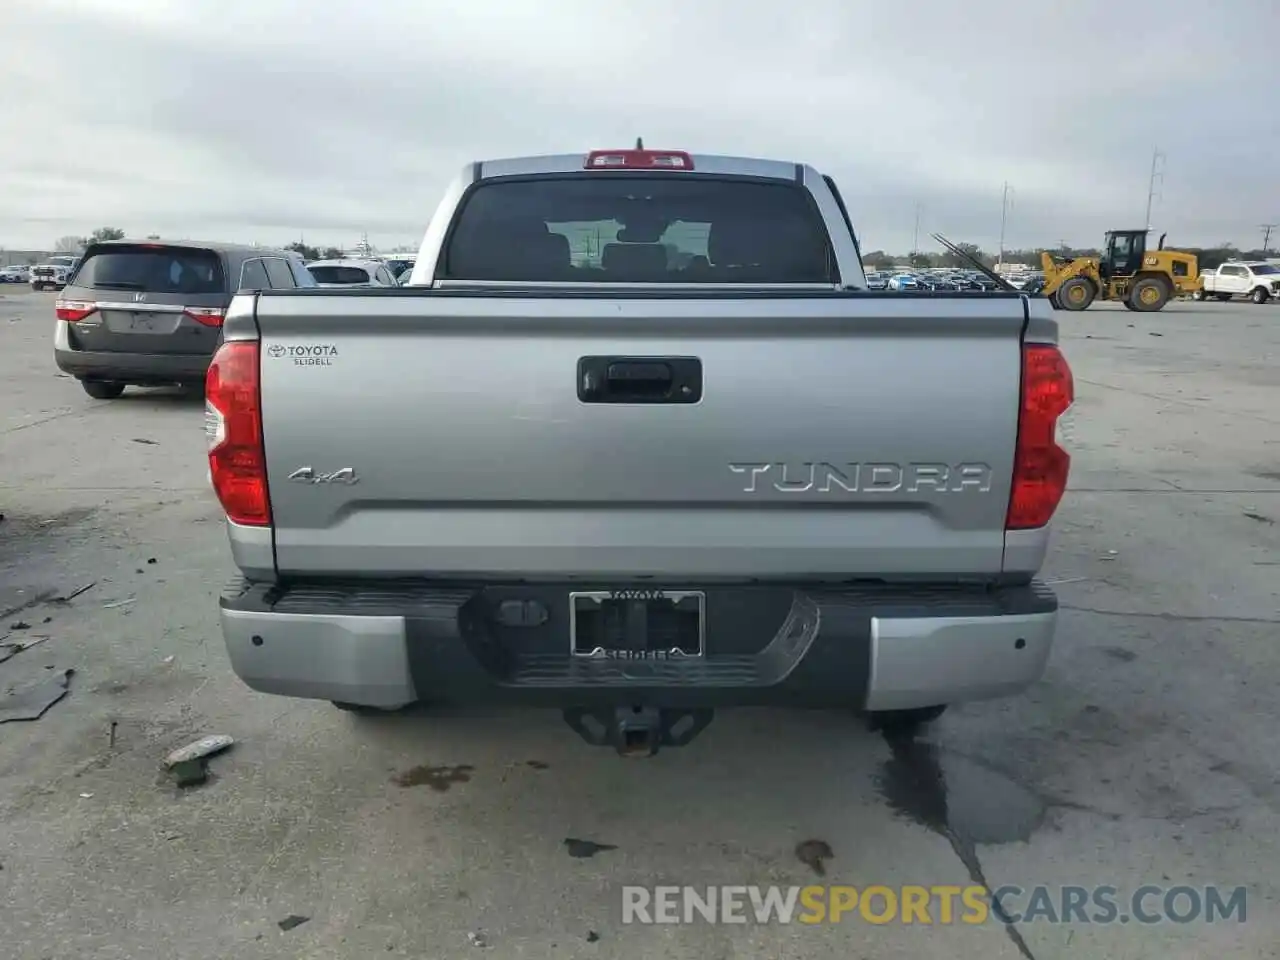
639 379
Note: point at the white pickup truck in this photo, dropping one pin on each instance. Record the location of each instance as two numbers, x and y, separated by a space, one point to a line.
1257 280
636 442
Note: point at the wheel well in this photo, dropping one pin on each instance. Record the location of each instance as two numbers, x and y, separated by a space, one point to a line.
1081 276
1152 275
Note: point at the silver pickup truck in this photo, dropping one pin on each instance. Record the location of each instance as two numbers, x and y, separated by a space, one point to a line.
636 442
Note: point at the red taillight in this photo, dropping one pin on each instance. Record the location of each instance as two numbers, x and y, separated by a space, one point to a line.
638 160
209 316
1040 466
233 426
73 311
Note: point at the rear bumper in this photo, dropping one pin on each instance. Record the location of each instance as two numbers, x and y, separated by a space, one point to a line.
141 368
875 648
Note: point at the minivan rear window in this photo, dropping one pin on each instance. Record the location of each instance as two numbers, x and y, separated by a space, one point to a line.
158 269
340 274
634 228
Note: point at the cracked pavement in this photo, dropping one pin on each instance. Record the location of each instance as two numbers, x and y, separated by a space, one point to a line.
1145 756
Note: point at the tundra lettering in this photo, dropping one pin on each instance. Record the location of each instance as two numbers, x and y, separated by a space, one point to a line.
865 477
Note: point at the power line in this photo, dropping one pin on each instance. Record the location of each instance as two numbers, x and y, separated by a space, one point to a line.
1157 176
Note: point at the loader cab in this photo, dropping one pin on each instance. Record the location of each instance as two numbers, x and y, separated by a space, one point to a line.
1122 253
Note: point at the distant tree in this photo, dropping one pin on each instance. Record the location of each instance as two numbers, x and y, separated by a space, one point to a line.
153 236
304 251
332 253
106 233
949 259
69 245
920 260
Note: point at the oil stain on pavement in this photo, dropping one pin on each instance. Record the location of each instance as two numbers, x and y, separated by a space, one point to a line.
439 779
962 801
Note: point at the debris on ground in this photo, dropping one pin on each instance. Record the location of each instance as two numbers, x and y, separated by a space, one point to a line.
11 648
67 598
188 764
581 849
592 936
815 853
30 703
146 441
476 939
119 603
19 625
291 921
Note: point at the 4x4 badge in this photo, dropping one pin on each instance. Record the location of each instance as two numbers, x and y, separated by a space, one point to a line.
139 297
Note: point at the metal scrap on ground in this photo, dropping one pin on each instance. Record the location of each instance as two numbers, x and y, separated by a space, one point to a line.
11 648
187 764
30 703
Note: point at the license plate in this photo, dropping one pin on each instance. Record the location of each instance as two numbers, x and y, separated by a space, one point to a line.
637 624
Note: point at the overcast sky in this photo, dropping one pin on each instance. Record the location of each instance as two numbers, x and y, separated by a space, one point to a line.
269 119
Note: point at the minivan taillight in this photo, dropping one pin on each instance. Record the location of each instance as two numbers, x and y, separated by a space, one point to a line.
1040 465
209 316
233 427
73 311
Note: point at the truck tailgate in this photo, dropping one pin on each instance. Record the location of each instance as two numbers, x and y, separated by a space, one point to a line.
442 433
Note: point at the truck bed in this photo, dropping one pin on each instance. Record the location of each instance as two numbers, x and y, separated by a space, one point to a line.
442 433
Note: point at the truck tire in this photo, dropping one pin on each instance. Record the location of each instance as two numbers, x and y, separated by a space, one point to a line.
1076 294
1260 295
102 389
1199 295
361 710
1149 294
1128 305
904 723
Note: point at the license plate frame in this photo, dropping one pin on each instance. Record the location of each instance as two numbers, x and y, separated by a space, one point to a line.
676 604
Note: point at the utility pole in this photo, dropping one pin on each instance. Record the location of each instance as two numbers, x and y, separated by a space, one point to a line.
1266 236
1157 176
1004 217
915 237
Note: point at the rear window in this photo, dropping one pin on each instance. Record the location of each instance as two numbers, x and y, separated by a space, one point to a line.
181 270
339 274
608 228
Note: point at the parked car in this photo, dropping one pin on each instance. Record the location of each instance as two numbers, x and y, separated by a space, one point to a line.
48 276
351 273
15 273
1257 280
151 313
904 281
877 280
669 526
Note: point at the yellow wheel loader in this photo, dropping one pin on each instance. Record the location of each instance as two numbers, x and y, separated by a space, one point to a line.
1127 271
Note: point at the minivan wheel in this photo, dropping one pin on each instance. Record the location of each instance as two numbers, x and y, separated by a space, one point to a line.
102 389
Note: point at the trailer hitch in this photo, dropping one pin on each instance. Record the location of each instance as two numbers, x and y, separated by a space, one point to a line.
637 731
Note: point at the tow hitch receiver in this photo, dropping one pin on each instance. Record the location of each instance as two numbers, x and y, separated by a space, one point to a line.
637 731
